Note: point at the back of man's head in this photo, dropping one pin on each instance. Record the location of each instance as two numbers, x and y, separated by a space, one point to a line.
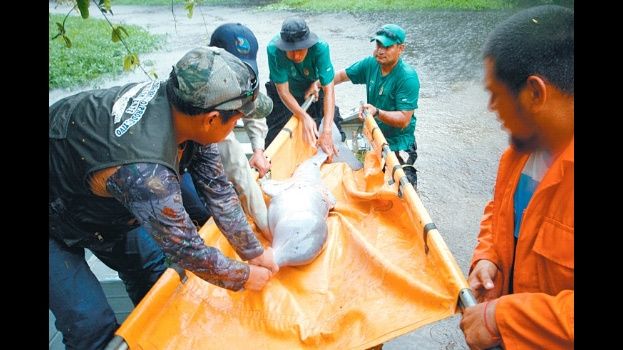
209 78
238 40
536 41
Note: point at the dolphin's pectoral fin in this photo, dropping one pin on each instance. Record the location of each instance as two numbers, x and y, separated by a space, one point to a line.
274 187
328 198
346 156
319 158
331 200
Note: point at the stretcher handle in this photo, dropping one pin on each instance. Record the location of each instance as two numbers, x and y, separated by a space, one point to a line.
466 298
308 102
117 343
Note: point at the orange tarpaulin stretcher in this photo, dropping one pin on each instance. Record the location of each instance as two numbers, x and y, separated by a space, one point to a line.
375 280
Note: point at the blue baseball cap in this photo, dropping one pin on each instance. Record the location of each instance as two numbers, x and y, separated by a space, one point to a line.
238 40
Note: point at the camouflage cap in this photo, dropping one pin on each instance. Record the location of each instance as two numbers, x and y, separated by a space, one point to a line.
263 107
212 78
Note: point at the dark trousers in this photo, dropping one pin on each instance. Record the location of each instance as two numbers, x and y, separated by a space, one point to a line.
76 297
408 164
280 115
196 209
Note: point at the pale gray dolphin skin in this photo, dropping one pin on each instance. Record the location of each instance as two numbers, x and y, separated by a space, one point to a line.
297 213
344 153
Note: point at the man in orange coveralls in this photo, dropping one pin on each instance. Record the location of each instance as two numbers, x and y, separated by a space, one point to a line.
522 268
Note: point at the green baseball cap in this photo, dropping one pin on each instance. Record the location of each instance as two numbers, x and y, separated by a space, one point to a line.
212 78
389 35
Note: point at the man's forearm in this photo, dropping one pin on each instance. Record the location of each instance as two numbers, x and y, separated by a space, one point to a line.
151 192
397 119
256 130
211 183
340 77
289 100
328 107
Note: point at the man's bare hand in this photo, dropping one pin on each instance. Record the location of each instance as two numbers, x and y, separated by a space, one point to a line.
325 141
473 326
258 277
366 107
259 162
310 133
267 260
481 281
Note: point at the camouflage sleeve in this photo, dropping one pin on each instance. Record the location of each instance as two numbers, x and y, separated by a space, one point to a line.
218 193
151 192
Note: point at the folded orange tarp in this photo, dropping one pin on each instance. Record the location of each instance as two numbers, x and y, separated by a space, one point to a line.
373 281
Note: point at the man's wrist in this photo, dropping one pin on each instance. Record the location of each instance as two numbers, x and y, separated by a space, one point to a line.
489 319
377 113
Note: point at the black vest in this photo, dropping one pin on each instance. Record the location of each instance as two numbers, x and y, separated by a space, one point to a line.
97 129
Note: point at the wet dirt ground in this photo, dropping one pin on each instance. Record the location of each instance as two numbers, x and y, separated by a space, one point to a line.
459 140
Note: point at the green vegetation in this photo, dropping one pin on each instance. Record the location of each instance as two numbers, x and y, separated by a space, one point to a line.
360 5
375 5
176 2
96 51
92 54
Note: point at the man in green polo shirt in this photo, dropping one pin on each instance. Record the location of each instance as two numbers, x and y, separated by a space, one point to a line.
300 65
393 89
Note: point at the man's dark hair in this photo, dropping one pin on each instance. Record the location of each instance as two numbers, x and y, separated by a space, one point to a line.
186 107
537 41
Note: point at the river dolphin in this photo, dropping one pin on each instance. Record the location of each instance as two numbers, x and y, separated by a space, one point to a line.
297 213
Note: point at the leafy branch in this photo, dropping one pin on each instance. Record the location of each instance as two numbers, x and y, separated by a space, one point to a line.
118 33
131 60
189 6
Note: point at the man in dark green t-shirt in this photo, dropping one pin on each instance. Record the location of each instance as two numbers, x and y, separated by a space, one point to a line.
300 65
393 89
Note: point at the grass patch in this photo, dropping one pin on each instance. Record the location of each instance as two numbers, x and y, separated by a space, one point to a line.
93 54
180 2
362 5
395 5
